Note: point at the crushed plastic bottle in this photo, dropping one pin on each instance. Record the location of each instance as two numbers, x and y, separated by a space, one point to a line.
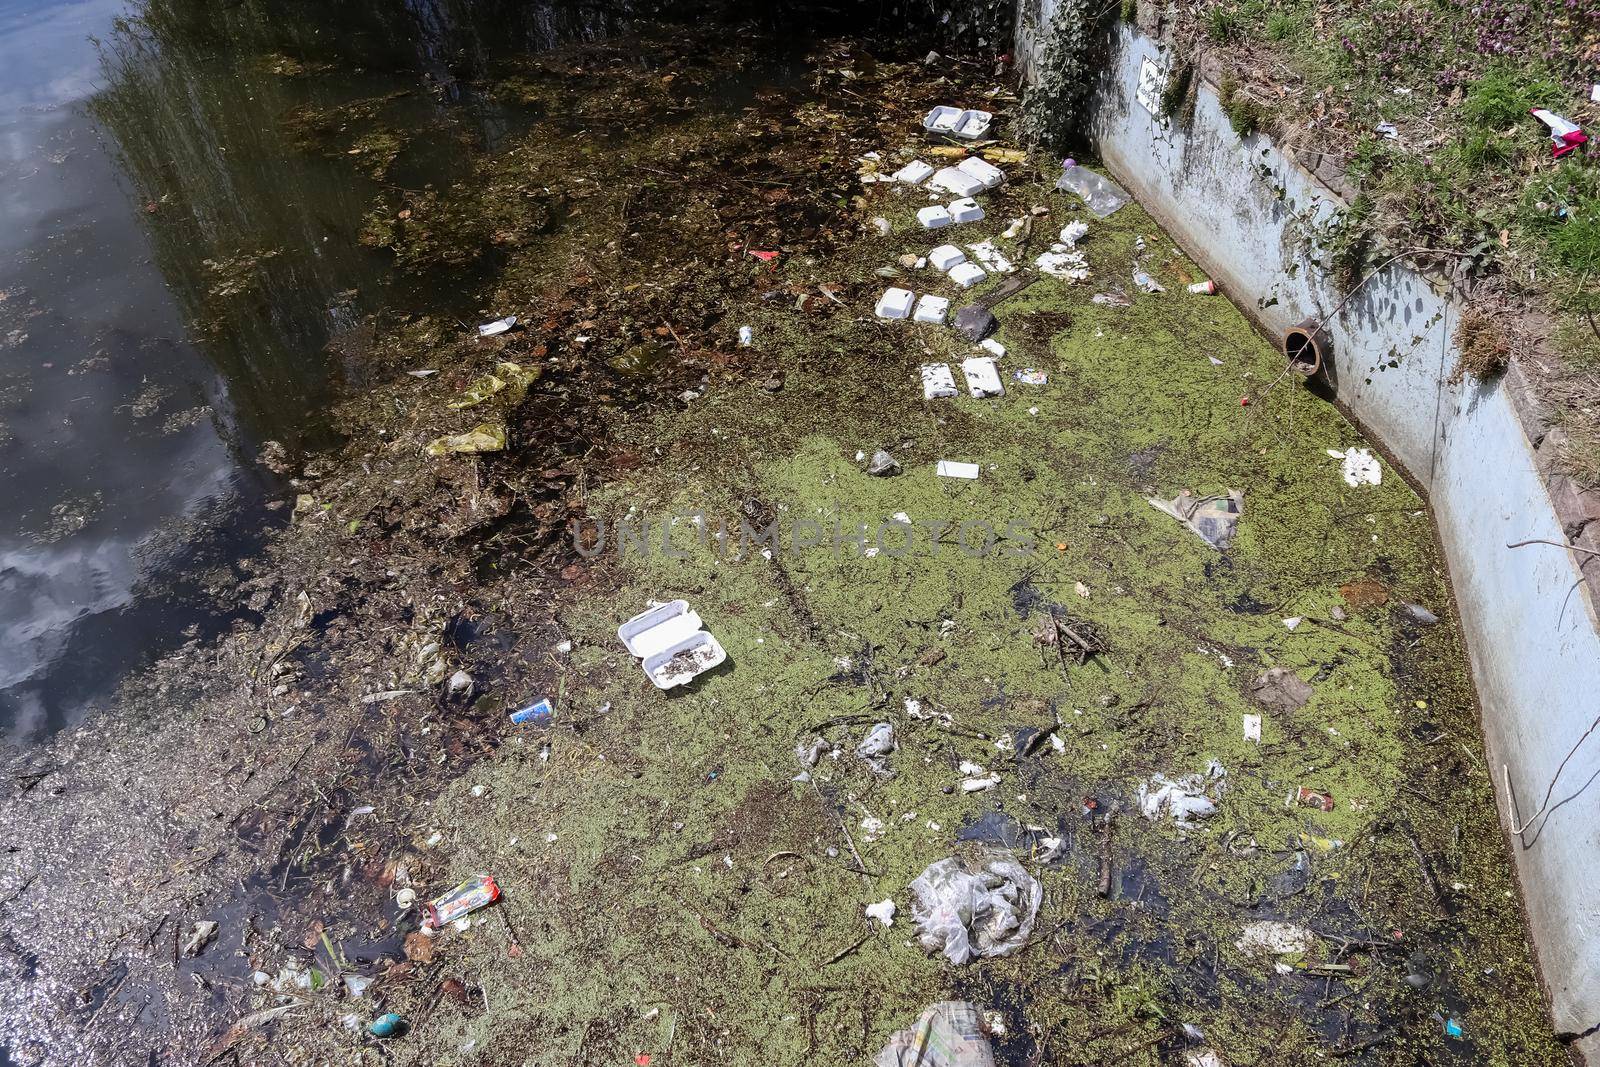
1101 195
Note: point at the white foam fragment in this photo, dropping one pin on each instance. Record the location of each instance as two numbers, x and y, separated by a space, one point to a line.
932 309
934 217
983 378
937 381
989 344
991 258
1360 466
952 469
1072 266
895 304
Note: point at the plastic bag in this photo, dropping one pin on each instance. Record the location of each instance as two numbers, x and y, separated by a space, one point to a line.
1214 519
877 746
484 437
984 907
948 1034
1185 799
1100 194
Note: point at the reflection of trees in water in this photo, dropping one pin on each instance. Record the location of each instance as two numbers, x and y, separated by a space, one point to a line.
255 235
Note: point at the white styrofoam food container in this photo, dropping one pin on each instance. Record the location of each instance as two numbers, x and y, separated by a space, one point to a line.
934 217
986 173
914 173
895 304
932 309
966 275
955 181
937 381
664 631
966 210
971 125
942 119
946 256
983 377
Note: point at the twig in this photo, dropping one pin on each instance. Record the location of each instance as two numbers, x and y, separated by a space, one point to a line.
1511 798
1556 544
861 864
842 953
723 938
29 779
1104 888
21 889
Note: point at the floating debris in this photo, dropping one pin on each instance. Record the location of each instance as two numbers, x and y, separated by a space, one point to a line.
1275 938
484 437
1359 466
984 906
1184 799
1213 519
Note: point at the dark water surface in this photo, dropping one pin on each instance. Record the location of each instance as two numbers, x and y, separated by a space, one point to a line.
178 248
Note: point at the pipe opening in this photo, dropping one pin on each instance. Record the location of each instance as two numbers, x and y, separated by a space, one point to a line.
1306 345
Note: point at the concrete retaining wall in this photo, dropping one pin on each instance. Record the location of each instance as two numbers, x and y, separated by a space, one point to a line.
1239 208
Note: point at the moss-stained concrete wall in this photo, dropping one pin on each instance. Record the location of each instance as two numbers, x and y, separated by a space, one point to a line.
1251 216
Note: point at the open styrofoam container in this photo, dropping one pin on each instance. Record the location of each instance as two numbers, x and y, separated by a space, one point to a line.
942 119
664 631
971 125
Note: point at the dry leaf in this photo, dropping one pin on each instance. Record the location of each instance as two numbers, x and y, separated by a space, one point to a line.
419 947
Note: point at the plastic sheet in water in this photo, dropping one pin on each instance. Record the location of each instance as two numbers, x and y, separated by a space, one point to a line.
979 907
1100 194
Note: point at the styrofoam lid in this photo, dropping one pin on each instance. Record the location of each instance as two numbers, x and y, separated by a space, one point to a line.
658 628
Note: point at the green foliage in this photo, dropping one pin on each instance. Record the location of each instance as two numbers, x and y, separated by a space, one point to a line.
1053 109
1349 240
1130 10
1176 94
1564 211
1284 25
1577 244
1245 113
1502 97
1223 24
1481 149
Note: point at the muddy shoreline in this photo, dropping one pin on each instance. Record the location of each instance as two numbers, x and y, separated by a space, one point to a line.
671 890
